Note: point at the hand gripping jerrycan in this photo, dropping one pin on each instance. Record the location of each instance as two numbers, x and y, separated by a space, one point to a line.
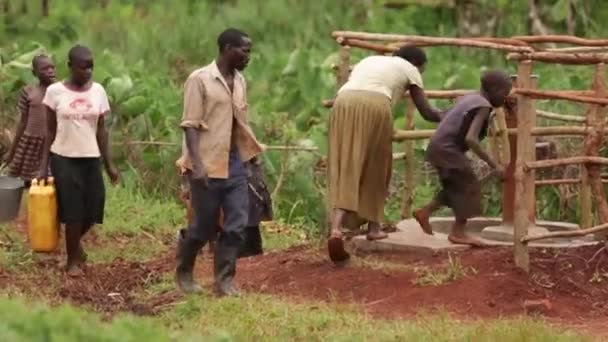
43 223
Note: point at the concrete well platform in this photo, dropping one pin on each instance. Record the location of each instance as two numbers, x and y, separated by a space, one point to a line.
410 237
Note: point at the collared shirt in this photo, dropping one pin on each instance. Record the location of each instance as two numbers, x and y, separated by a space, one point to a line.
213 109
388 75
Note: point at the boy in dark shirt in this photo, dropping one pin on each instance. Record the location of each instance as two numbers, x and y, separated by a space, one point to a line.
462 128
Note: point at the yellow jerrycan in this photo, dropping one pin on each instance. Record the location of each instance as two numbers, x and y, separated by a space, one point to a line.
43 223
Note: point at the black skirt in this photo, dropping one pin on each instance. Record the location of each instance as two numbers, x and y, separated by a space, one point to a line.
80 189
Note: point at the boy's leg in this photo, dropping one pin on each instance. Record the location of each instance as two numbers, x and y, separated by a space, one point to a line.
459 235
463 195
423 214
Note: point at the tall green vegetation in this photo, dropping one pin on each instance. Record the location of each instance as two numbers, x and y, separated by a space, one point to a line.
145 49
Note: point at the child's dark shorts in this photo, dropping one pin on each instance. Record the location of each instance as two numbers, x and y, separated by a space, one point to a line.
460 191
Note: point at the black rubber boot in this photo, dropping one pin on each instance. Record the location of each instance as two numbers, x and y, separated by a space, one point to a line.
224 267
186 257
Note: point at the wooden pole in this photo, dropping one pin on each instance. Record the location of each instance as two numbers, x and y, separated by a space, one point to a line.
562 39
508 185
560 117
548 182
545 182
574 95
579 49
558 95
408 147
593 144
525 144
565 161
568 233
561 58
585 202
343 66
429 40
558 131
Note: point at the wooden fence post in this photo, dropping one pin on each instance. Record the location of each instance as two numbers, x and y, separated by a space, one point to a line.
343 66
586 204
508 185
593 143
523 180
408 188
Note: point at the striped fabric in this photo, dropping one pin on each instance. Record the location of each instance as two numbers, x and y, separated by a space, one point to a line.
26 162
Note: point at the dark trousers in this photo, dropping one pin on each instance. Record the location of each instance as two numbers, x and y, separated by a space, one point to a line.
231 194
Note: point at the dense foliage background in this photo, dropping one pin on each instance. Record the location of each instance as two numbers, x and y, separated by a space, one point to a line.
144 50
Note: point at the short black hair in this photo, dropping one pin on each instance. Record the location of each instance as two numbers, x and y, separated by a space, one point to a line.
412 54
230 36
77 52
37 59
493 80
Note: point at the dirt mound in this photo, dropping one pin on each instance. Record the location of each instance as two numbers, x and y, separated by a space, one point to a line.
107 288
110 287
574 282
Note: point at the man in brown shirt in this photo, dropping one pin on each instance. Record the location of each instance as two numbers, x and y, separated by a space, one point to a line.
217 143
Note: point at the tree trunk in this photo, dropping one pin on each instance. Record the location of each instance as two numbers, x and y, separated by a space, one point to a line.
45 8
571 18
476 19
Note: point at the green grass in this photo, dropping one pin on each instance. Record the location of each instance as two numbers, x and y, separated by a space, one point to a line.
257 318
262 317
434 277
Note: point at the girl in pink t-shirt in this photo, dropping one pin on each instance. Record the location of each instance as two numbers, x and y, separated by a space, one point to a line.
76 143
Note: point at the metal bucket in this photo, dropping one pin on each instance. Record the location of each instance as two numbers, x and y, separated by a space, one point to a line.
11 190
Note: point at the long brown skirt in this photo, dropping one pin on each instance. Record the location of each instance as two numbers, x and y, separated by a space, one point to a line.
360 153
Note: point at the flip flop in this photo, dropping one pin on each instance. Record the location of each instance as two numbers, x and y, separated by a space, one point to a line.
335 248
467 241
426 228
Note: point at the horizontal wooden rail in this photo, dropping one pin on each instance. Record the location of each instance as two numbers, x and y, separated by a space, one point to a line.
565 181
560 117
562 39
561 58
560 95
565 161
579 49
585 96
568 233
565 131
365 36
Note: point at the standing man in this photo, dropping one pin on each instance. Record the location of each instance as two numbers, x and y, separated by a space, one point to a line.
218 141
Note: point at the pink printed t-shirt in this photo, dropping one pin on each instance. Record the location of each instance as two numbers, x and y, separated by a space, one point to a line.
77 115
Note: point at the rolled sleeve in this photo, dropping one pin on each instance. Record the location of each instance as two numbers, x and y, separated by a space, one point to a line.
194 110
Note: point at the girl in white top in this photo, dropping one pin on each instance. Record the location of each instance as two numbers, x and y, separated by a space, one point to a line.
360 146
76 144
